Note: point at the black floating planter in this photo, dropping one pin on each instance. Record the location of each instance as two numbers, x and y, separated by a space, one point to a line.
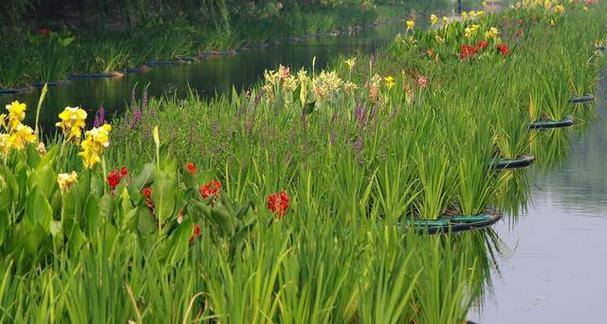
96 75
581 99
600 48
8 91
50 84
520 162
545 124
161 62
454 224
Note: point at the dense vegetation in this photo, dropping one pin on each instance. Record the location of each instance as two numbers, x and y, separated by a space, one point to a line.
290 202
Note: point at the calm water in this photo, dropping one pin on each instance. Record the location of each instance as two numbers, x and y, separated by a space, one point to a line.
555 270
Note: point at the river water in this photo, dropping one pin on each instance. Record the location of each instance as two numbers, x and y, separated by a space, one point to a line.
555 267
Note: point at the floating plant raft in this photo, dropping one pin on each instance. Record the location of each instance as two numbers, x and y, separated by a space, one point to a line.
544 124
520 162
581 99
8 91
95 75
453 224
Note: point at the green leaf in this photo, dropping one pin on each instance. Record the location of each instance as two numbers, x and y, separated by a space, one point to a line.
38 210
163 194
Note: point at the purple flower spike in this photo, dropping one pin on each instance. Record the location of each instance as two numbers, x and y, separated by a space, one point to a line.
99 117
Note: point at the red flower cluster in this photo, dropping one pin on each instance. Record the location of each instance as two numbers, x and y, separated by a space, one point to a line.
482 44
466 51
210 189
44 31
191 168
503 49
278 203
114 177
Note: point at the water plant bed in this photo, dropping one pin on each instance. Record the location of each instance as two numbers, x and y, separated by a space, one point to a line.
520 162
546 124
581 99
454 224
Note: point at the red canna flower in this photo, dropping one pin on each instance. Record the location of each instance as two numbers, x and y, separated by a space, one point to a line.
196 232
123 172
482 44
503 49
43 31
467 51
147 192
278 203
191 168
210 189
113 179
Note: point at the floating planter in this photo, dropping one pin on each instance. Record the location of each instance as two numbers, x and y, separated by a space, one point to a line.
51 84
600 48
453 224
8 91
96 75
161 62
581 99
545 124
520 162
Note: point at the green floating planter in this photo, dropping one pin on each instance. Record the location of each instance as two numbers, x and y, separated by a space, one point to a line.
520 162
581 99
545 124
454 224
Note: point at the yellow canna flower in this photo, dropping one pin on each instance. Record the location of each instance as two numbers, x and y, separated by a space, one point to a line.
66 180
472 14
492 33
20 136
559 8
445 21
16 113
95 141
464 15
585 8
4 144
468 32
390 82
552 22
72 122
433 19
480 13
410 24
3 124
